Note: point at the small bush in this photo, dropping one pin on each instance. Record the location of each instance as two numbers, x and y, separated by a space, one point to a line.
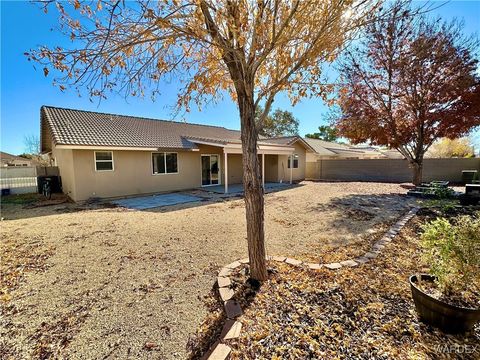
452 250
442 192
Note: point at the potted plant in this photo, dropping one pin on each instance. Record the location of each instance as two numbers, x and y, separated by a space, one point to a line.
449 297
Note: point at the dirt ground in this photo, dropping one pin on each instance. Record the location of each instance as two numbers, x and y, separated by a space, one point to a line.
86 282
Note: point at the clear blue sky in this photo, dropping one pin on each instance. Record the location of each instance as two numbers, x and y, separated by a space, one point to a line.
24 89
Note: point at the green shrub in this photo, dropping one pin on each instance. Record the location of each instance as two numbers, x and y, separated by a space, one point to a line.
442 192
452 250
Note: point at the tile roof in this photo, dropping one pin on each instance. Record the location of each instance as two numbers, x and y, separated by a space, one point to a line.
290 140
283 140
87 128
323 147
6 156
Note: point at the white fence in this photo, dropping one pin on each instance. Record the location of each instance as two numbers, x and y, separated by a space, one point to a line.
20 180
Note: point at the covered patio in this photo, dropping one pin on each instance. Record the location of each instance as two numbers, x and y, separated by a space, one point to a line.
227 172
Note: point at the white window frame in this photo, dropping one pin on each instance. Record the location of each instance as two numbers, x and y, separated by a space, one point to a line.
291 162
165 162
95 160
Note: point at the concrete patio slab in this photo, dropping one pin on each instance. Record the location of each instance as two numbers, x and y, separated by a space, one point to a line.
154 201
237 189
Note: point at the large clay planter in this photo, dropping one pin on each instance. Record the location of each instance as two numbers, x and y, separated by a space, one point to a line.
449 318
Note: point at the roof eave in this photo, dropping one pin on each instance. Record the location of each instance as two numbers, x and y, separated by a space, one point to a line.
124 148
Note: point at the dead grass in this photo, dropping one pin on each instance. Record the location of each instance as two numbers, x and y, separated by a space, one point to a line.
119 283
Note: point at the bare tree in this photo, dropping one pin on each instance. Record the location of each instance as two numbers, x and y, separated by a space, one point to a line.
32 144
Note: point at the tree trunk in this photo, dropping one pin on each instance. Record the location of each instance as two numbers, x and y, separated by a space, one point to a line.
417 166
252 185
244 82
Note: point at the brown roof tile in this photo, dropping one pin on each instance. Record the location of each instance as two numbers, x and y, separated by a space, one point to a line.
290 140
79 127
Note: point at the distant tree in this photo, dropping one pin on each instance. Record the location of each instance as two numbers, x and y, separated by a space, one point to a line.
32 144
26 156
280 123
475 137
326 133
410 82
251 50
448 148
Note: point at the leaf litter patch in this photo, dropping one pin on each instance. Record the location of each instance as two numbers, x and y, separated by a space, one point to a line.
362 313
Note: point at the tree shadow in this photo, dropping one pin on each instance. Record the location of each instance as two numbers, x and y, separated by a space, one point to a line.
364 209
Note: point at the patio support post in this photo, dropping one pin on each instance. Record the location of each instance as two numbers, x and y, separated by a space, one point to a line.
291 168
263 171
226 171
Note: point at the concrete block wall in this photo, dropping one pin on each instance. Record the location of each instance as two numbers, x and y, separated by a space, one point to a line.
388 170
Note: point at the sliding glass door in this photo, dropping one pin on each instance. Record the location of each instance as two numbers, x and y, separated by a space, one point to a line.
210 170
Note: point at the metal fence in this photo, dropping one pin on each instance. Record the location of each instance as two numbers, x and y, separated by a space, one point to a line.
20 180
23 180
388 170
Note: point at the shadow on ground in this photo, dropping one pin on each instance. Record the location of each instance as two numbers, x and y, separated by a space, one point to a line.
365 208
15 207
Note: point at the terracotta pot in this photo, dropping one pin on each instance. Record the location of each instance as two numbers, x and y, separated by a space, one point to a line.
449 318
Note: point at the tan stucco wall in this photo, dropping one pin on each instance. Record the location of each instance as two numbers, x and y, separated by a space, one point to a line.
298 173
64 161
235 166
271 168
132 173
311 157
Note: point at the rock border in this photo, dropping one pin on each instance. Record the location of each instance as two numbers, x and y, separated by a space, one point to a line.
232 327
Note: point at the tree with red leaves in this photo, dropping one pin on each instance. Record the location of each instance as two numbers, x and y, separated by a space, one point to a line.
410 82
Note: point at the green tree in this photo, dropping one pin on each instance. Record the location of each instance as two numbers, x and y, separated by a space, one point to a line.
280 123
325 132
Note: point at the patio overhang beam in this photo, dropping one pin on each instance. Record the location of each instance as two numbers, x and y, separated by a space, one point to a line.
262 149
236 147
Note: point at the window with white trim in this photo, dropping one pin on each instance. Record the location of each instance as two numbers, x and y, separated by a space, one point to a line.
164 163
103 161
295 161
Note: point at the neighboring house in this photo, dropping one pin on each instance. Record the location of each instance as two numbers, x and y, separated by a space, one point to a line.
330 150
106 155
13 160
391 154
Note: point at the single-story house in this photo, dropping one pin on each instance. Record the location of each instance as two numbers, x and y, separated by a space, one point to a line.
391 154
14 160
331 150
106 155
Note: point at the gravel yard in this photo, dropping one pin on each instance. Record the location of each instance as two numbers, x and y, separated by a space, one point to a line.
117 283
